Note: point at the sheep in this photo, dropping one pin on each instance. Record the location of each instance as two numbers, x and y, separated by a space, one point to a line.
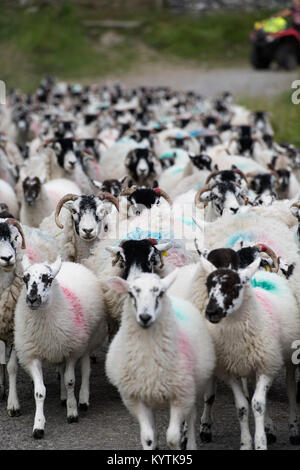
68 325
84 221
265 324
162 355
8 197
10 287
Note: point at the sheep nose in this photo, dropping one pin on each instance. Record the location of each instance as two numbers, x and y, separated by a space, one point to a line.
213 313
234 209
88 231
145 318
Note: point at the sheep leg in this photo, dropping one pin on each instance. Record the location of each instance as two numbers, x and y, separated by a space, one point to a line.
263 384
36 372
13 406
69 377
2 381
191 434
242 406
177 416
270 428
291 392
206 418
145 418
84 393
63 390
2 369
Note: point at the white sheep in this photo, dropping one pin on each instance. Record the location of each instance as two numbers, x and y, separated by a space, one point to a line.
39 198
256 337
69 324
162 355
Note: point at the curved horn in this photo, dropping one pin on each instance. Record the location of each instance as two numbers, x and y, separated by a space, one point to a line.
206 187
163 194
127 192
266 249
128 156
110 198
296 204
67 197
20 230
212 175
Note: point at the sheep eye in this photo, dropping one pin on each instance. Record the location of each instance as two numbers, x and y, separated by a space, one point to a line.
46 279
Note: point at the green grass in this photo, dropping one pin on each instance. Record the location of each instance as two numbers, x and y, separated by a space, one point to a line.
285 116
54 40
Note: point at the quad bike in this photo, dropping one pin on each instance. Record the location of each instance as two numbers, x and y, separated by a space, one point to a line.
274 40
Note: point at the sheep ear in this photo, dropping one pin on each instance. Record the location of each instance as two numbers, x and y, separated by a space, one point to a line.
248 273
25 262
168 280
123 179
97 184
238 244
55 267
118 284
207 265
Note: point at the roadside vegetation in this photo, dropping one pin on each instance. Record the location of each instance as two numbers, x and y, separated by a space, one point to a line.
71 42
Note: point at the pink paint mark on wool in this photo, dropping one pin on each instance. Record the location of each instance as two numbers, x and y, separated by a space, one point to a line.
33 256
176 258
185 349
76 307
97 170
267 240
269 308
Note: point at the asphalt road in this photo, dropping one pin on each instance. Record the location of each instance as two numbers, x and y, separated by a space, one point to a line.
107 424
243 81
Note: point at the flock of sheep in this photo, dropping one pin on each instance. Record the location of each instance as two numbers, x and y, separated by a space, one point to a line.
162 226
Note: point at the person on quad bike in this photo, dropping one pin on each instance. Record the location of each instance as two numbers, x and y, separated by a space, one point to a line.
294 12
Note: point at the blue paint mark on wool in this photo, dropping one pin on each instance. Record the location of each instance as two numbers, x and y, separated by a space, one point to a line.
188 221
179 307
268 281
140 234
245 236
177 170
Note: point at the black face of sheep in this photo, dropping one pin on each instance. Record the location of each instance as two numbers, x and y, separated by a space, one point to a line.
226 198
202 162
142 255
144 197
65 150
140 164
10 232
31 189
112 186
90 146
283 179
264 182
225 289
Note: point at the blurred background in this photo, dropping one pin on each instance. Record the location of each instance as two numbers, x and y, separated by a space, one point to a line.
187 44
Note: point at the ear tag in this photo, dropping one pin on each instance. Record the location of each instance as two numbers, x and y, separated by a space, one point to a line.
58 234
164 253
267 267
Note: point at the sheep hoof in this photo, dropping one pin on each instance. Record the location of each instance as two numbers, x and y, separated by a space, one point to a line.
298 392
13 413
295 440
72 419
183 443
271 438
206 437
38 433
83 406
63 403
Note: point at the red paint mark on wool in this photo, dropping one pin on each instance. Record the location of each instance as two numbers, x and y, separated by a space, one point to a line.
76 307
97 170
